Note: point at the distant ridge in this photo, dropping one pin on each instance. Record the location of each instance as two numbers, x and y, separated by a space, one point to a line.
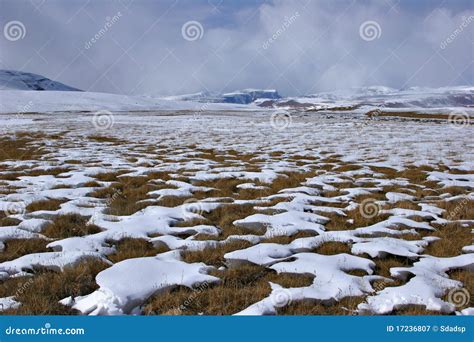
19 80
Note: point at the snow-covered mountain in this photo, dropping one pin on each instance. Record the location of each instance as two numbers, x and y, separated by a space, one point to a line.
18 80
245 96
250 95
22 92
20 88
383 97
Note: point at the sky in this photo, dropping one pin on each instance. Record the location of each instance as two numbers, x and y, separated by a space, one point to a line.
298 47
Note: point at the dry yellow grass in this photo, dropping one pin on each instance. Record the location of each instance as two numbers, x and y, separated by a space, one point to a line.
16 248
460 209
345 306
332 247
49 204
214 256
467 291
134 248
242 286
40 294
239 288
453 237
224 216
409 115
284 240
106 139
64 226
8 221
22 147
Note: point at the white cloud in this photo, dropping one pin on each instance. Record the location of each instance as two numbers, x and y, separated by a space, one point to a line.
319 50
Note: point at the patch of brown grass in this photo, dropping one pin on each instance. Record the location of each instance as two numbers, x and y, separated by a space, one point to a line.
125 201
223 187
402 205
64 226
239 289
288 280
332 247
91 184
171 201
8 221
453 237
383 266
134 248
48 204
40 294
345 306
414 310
338 222
214 256
125 195
16 248
106 139
224 216
347 167
21 147
460 209
409 115
51 172
467 279
284 240
108 176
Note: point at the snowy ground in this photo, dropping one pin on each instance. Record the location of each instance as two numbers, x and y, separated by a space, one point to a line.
235 213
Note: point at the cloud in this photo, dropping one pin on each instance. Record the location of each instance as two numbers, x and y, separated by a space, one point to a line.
298 47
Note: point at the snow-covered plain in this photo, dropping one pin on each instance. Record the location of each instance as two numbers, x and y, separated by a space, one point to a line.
173 143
